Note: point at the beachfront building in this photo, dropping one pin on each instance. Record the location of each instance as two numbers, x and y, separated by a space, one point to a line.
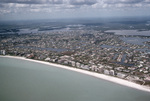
47 59
78 65
106 72
86 67
121 75
112 72
2 52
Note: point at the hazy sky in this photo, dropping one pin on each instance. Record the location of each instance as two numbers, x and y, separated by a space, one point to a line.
49 9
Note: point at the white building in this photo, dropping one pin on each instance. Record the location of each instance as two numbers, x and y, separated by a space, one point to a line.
73 63
2 52
93 67
106 72
112 72
86 67
47 59
78 65
121 75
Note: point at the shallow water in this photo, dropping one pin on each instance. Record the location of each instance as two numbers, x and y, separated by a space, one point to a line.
23 80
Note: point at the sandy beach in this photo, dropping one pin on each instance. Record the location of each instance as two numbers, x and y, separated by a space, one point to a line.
97 75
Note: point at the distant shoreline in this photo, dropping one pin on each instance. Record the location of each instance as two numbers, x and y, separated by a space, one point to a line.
97 75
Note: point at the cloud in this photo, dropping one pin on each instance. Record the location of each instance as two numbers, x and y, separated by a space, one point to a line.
147 1
33 1
122 1
56 7
83 2
125 4
71 2
2 6
21 1
78 2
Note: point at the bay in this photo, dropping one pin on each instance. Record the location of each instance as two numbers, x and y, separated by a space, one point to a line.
130 32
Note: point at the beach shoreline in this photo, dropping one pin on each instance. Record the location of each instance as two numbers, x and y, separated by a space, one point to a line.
97 75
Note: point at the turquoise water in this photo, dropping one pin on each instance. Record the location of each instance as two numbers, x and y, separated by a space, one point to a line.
22 80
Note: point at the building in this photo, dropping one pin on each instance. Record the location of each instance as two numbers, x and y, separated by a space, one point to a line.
106 72
2 52
112 72
78 65
121 75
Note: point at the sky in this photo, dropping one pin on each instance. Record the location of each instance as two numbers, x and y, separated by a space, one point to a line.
57 9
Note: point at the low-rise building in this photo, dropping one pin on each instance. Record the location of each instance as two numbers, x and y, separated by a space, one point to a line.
121 75
47 59
86 67
106 72
112 72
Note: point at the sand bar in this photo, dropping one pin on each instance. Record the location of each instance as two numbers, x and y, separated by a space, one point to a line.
97 75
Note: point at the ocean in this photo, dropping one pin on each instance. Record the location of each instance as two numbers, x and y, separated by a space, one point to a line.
22 80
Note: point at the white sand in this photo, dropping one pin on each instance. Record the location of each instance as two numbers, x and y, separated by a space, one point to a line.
101 76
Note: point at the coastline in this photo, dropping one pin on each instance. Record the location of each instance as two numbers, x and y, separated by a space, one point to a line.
97 75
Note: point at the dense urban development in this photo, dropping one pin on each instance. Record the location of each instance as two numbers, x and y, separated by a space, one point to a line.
91 50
